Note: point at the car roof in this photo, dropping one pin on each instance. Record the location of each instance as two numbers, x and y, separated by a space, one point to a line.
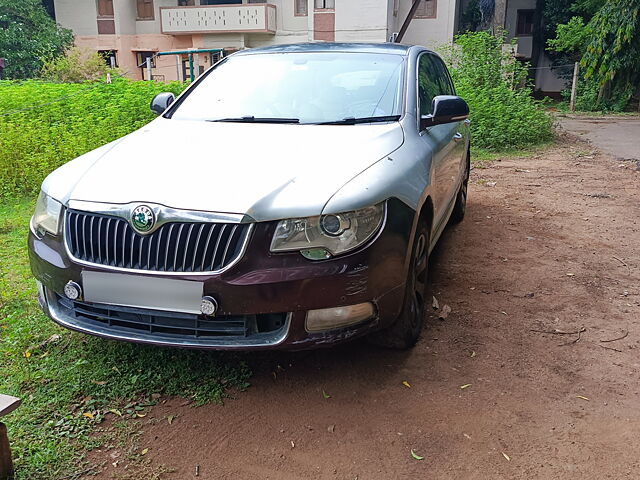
388 48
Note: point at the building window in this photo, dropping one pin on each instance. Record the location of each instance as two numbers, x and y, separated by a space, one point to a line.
426 9
186 3
325 4
109 57
524 26
145 9
301 8
141 58
105 8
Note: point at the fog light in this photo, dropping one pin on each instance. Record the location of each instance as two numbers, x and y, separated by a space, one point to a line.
338 317
208 306
315 254
72 290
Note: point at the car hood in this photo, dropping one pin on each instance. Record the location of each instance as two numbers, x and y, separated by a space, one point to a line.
265 171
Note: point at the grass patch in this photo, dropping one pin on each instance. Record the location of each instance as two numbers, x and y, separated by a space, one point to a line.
69 382
482 158
44 125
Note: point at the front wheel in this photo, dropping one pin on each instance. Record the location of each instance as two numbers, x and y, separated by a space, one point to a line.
405 332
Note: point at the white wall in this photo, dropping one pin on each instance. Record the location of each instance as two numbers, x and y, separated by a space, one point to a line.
429 32
361 21
547 80
124 12
79 16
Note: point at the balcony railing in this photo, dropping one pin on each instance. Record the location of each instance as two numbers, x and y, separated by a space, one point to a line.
251 18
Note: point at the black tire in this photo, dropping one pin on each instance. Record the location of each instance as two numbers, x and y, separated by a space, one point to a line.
405 331
459 209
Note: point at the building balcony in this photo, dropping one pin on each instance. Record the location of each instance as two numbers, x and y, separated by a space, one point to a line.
248 18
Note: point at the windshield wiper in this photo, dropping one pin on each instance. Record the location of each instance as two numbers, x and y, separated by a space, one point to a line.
354 120
252 119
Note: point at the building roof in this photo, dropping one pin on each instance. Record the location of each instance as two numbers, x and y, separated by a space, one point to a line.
389 48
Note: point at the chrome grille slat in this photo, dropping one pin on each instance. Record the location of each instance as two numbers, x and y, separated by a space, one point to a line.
215 249
166 250
84 233
206 246
229 240
175 255
106 247
175 247
186 249
195 251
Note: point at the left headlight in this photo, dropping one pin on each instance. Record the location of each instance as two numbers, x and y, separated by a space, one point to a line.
323 236
47 215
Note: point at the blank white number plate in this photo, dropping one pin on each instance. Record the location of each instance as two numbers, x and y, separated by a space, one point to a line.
142 292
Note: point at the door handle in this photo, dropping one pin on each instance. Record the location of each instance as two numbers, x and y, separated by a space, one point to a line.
467 121
458 136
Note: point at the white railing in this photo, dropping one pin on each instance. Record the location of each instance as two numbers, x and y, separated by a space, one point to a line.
256 18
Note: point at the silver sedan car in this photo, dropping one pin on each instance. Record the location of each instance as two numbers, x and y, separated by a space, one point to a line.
289 198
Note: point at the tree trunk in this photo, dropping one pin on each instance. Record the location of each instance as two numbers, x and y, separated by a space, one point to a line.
6 465
499 16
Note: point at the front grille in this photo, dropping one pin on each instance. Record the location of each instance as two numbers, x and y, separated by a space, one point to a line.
129 320
174 247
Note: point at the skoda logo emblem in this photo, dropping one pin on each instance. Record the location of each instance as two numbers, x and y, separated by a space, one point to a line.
142 219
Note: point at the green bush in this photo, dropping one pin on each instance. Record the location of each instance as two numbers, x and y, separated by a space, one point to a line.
75 66
504 115
49 133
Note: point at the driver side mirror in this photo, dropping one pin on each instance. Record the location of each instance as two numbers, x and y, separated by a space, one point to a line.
446 109
161 102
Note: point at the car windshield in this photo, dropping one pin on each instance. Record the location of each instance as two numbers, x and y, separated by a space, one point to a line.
340 88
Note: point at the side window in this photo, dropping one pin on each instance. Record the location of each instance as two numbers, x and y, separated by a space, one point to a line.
444 79
428 84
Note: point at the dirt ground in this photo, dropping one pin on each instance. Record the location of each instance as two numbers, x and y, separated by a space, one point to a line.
550 244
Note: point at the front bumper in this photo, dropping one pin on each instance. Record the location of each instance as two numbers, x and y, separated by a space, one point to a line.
261 285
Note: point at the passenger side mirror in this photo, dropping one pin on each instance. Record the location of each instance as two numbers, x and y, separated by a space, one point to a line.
446 109
161 102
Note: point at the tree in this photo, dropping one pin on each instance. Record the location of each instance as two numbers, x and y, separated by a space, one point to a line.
613 53
28 36
608 47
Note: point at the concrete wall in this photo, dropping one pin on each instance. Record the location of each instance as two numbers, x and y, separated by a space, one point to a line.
79 16
361 21
125 12
430 32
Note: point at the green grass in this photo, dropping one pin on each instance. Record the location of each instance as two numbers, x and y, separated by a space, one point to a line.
481 158
70 119
69 382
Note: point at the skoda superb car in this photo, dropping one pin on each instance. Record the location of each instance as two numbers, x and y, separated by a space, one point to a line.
289 198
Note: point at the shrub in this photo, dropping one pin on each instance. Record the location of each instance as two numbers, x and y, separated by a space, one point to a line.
494 83
49 133
76 66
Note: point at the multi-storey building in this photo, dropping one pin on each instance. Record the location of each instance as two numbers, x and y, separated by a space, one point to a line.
127 32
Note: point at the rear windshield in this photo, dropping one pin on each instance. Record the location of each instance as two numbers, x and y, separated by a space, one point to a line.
309 87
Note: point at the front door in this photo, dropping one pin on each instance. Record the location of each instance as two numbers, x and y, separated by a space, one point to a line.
440 140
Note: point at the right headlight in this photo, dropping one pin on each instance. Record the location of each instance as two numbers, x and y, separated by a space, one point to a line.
323 236
47 215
